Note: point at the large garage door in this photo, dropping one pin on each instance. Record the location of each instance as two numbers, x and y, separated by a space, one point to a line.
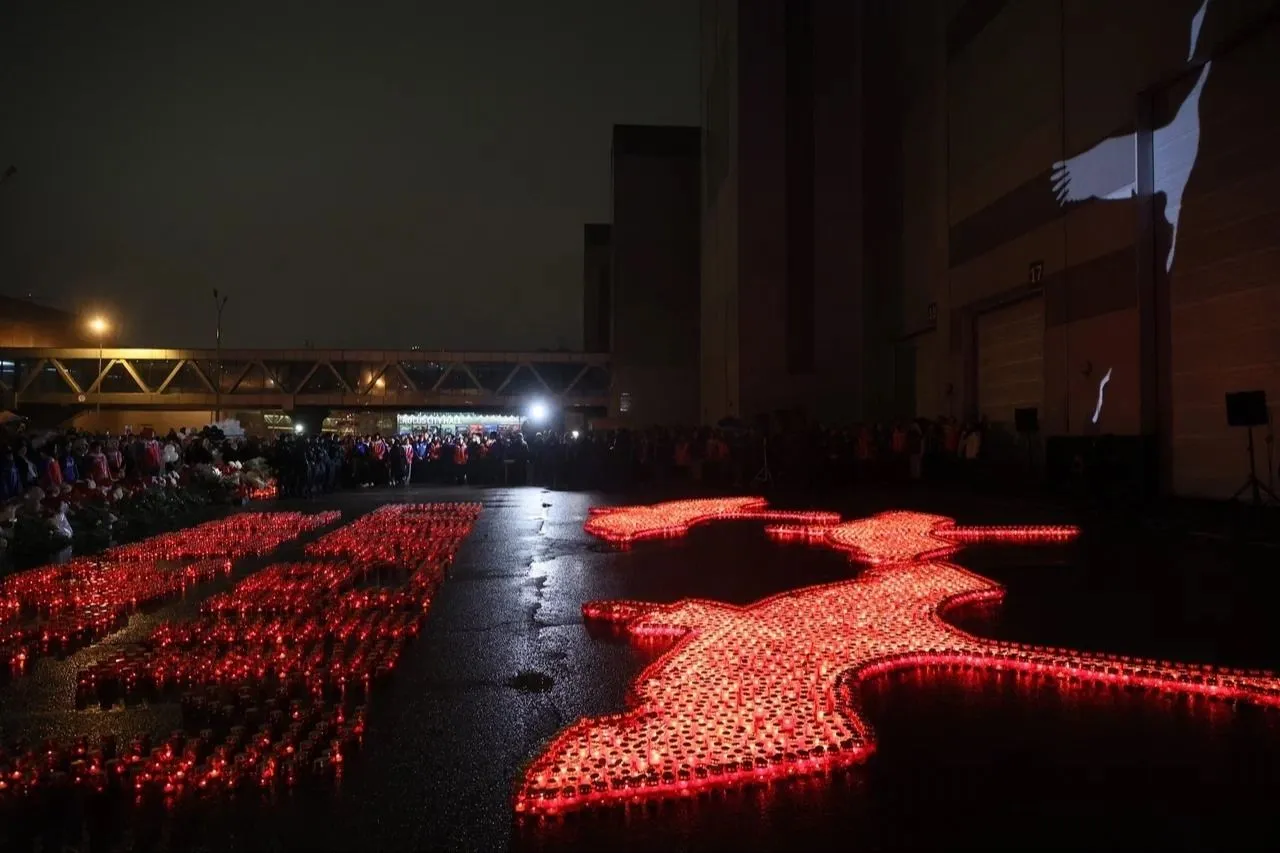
1010 360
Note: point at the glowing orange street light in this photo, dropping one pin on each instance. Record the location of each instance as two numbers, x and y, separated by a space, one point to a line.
99 326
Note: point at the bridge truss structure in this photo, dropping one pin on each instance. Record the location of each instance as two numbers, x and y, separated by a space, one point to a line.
291 379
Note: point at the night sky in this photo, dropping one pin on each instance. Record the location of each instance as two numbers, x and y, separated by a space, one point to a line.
354 174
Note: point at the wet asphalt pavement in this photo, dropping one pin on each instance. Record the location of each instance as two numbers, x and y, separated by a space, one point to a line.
963 761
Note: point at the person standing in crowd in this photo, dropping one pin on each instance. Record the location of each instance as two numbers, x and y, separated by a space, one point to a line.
10 483
28 474
115 459
50 471
99 470
915 449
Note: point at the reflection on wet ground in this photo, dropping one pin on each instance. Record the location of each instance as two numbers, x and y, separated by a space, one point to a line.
962 760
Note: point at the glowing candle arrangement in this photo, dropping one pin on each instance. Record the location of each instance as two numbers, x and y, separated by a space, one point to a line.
241 535
274 674
392 534
294 739
771 690
54 609
268 492
624 525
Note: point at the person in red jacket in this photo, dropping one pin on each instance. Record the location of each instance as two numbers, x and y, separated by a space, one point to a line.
459 462
50 472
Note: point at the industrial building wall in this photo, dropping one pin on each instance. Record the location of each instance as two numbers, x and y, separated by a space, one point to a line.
783 264
597 289
719 262
656 299
1056 208
839 211
924 214
1224 293
765 383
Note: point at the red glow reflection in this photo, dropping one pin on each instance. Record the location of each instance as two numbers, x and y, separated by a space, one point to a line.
54 609
624 525
749 694
273 675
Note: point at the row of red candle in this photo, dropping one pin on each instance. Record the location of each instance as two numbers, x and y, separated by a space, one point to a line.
239 535
50 588
280 586
390 535
95 608
353 614
55 609
311 636
759 692
913 537
268 492
297 620
348 650
284 749
937 537
624 525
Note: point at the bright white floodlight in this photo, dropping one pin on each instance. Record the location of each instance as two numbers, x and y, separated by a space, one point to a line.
538 412
298 428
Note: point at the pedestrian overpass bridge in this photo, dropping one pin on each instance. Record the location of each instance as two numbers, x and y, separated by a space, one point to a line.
292 379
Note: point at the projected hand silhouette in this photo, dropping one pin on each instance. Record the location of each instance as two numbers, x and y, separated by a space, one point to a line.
1108 169
1104 171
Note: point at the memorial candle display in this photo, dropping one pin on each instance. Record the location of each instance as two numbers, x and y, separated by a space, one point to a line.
55 609
625 525
273 676
768 691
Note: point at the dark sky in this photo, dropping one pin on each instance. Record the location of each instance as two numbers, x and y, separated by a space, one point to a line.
370 174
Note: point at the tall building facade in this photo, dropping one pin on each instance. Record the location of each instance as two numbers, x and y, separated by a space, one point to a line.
974 207
799 211
1091 208
655 251
597 288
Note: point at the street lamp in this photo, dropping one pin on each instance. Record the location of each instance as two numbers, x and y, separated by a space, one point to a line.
219 303
99 326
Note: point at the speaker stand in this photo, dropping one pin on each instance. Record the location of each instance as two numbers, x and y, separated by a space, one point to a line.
1253 485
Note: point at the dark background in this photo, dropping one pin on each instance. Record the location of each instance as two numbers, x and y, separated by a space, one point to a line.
372 174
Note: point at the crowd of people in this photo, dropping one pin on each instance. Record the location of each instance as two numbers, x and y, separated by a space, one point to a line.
50 461
63 485
728 457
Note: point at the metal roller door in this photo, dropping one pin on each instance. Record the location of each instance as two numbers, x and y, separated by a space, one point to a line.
1010 360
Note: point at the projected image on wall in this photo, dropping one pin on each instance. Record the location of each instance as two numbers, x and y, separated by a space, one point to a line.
1107 170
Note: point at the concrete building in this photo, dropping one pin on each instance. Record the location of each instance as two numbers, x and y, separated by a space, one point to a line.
655 303
1091 209
800 208
1069 206
597 310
